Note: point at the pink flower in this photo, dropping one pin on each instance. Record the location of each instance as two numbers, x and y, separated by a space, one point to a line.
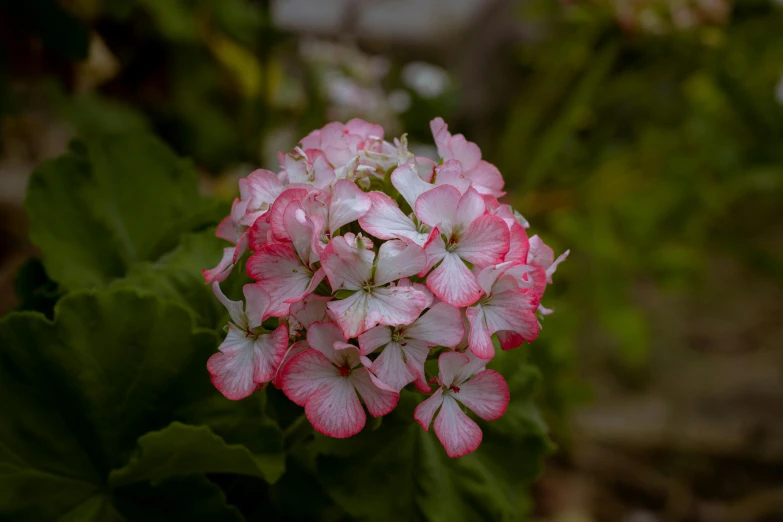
462 234
462 379
223 268
247 358
509 305
479 276
287 270
385 220
308 166
408 182
351 265
405 348
484 176
542 255
328 380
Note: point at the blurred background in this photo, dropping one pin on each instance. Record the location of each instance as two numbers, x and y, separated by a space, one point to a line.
644 135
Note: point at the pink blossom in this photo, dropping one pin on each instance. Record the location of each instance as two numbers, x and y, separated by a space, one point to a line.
247 358
328 380
509 304
287 270
484 176
462 234
223 268
334 320
351 265
405 348
462 379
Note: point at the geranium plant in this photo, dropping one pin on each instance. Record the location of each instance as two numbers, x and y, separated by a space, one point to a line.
367 262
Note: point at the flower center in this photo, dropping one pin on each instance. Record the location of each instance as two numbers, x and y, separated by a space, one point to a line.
344 371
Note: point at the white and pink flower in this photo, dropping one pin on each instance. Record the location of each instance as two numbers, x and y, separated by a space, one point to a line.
340 321
462 379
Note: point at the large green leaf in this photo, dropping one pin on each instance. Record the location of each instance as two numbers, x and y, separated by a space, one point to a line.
179 449
95 212
177 277
400 472
80 390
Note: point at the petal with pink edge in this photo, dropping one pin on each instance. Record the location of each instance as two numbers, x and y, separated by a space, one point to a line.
427 409
374 338
347 266
455 430
348 204
322 337
257 303
379 401
385 220
231 369
406 180
450 365
269 351
486 395
438 207
304 374
223 268
398 258
334 408
441 325
453 282
485 242
278 270
392 369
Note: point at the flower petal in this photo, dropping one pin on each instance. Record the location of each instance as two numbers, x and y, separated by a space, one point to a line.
441 325
276 213
406 180
427 409
392 369
486 395
223 268
398 258
470 208
305 373
322 336
231 369
374 338
310 309
278 270
257 303
453 282
385 220
378 401
455 430
485 242
348 204
334 409
235 308
294 350
268 353
438 208
450 366
347 267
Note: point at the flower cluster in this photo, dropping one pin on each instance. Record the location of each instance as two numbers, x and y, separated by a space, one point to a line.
367 262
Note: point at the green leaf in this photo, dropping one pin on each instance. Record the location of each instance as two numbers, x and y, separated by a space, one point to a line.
177 277
80 390
125 199
179 449
400 472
